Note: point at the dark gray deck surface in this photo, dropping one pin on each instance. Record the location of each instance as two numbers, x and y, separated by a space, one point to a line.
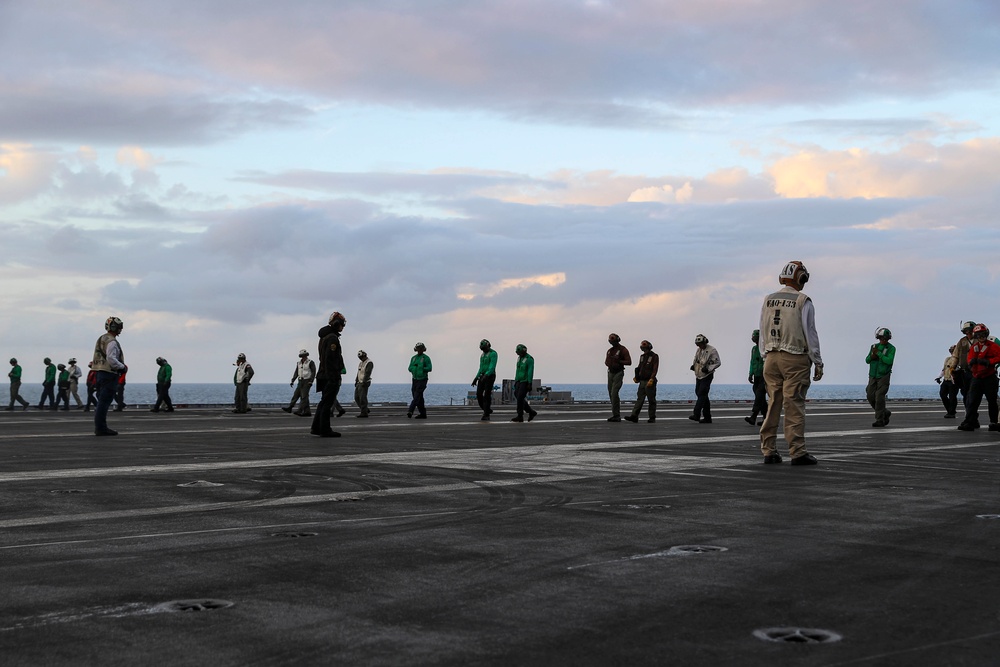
455 542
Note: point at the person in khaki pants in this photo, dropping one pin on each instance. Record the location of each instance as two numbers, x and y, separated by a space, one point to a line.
790 346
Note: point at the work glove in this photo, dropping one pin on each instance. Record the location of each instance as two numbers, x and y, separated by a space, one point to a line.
938 380
750 378
651 383
818 374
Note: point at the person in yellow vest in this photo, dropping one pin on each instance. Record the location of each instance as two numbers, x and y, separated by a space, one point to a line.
790 347
108 364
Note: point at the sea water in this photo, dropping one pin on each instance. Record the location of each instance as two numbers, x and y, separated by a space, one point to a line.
457 394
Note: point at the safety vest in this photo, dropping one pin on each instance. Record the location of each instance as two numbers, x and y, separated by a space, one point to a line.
781 322
101 354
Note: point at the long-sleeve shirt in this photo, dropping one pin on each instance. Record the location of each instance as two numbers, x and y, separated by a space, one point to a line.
165 373
15 373
420 366
984 355
617 358
50 373
949 365
756 362
488 363
525 369
706 361
879 359
648 367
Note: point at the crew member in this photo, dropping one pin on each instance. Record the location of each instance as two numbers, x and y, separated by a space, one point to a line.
108 363
485 379
524 377
645 376
879 360
790 346
616 359
362 382
706 361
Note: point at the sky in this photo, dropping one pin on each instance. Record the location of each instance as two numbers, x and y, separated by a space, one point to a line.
223 175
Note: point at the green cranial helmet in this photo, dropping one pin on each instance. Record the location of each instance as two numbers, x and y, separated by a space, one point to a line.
520 349
882 332
419 347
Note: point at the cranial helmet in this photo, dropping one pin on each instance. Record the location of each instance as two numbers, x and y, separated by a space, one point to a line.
520 349
645 345
72 360
46 360
362 354
968 326
794 274
419 347
335 316
113 325
614 338
303 353
755 335
241 356
882 332
485 344
980 331
160 361
13 361
700 339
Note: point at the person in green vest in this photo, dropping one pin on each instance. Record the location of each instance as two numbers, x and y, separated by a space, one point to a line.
756 378
15 386
48 385
420 366
524 376
164 376
485 379
63 384
879 360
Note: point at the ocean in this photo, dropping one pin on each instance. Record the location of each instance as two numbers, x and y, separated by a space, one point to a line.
456 394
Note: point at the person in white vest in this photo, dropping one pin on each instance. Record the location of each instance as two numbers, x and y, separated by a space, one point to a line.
362 382
74 381
304 374
790 347
241 378
108 364
706 362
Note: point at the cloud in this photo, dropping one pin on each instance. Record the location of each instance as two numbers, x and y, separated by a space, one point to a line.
472 291
136 72
917 170
665 194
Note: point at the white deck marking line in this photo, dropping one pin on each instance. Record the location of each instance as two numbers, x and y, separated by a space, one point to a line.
277 502
221 428
463 458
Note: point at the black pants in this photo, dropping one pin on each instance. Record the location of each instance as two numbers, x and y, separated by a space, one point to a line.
703 407
963 382
759 397
47 392
163 396
484 392
63 397
321 420
521 390
120 396
949 396
417 391
981 387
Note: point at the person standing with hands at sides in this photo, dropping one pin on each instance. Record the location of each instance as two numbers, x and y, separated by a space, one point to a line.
756 378
241 378
108 363
362 382
74 381
524 376
949 392
616 359
485 379
164 376
790 346
304 374
15 386
328 377
48 385
420 366
984 355
645 375
706 361
879 360
961 373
